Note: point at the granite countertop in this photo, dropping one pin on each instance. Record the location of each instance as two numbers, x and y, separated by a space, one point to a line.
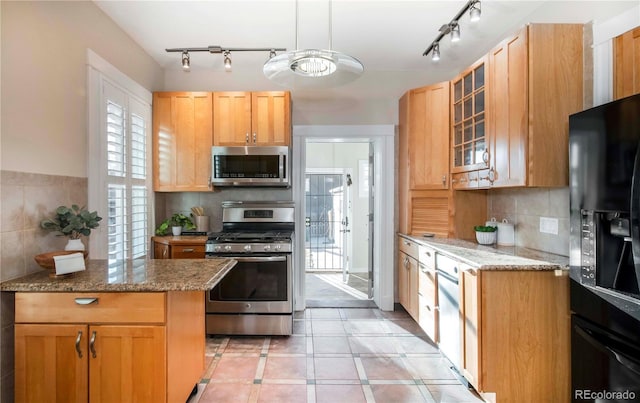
492 257
139 275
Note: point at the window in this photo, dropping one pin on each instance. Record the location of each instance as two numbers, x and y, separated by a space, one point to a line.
119 182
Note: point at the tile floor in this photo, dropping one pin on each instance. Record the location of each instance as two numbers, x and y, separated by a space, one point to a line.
336 355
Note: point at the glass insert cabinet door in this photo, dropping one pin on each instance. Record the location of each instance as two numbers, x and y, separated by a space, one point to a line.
468 120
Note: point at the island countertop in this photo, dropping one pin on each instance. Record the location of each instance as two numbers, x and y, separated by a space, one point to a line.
139 275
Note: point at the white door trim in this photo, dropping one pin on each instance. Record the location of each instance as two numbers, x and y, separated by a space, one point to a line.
382 137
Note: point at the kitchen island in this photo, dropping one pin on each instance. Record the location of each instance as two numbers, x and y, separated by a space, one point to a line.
119 331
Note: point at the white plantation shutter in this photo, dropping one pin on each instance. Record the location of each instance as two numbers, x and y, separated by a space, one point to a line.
119 179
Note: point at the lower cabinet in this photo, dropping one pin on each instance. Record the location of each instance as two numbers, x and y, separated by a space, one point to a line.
408 276
108 347
516 334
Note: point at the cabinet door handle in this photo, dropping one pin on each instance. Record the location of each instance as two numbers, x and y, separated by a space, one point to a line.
86 301
406 262
444 180
246 137
164 253
78 339
407 243
254 138
187 250
428 308
92 344
485 156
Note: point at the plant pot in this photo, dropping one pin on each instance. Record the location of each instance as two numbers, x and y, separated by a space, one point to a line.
176 230
74 244
486 238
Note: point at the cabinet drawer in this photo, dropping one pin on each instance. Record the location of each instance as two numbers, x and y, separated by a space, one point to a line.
465 180
427 257
427 284
427 318
115 307
408 247
187 251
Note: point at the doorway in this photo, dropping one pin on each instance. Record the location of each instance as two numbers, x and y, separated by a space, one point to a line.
338 268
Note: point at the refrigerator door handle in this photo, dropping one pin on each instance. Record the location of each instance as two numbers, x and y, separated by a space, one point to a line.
605 344
635 214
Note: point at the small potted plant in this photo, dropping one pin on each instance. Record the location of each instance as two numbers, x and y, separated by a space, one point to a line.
485 234
176 222
72 222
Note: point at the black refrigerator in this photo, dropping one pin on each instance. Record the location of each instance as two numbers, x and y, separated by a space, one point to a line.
604 188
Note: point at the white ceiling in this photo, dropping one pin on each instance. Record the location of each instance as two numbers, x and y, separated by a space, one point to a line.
388 37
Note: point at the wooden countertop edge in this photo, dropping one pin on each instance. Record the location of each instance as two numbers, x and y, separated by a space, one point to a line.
180 239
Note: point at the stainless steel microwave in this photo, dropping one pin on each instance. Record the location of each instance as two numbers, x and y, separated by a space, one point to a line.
250 166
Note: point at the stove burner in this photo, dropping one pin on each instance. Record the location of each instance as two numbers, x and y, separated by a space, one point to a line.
267 236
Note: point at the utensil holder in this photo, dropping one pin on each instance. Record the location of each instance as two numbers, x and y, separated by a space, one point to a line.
202 223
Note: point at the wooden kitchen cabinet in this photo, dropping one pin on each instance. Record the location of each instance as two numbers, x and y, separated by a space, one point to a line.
442 211
122 347
626 64
428 137
252 118
468 122
407 268
182 140
179 247
535 83
516 334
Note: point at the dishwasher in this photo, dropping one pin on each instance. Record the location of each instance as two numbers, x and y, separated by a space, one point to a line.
449 306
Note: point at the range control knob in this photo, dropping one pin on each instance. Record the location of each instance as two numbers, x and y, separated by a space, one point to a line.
227 247
216 248
247 248
278 247
267 248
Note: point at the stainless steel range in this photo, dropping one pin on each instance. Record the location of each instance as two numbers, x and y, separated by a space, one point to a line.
256 296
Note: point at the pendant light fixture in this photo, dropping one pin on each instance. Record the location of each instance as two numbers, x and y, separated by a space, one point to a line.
313 68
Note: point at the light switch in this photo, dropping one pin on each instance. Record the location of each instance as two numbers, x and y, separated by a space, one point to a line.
549 225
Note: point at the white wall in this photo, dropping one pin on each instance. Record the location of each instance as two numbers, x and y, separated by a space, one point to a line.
44 46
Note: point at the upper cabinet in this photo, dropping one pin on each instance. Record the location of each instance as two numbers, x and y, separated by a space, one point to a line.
428 137
626 73
468 123
535 83
252 118
182 140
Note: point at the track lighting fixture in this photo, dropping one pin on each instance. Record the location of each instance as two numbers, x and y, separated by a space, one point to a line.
455 31
227 61
186 60
475 11
435 53
453 28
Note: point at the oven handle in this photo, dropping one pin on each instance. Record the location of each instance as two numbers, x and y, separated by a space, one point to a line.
606 344
258 258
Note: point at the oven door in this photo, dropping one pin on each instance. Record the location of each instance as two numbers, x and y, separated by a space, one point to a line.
256 284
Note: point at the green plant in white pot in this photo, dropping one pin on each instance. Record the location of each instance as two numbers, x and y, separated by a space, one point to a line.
72 222
177 222
485 234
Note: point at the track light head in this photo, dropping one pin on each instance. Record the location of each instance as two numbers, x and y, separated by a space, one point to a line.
227 60
186 61
272 54
435 52
475 11
455 31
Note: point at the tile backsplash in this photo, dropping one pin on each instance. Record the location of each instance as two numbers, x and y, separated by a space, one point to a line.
26 199
524 208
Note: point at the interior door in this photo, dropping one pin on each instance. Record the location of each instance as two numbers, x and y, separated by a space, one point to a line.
371 210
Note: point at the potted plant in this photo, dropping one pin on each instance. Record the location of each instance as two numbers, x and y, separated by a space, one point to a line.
72 222
176 222
485 234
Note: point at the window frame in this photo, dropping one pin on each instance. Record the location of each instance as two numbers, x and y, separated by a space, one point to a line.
100 71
